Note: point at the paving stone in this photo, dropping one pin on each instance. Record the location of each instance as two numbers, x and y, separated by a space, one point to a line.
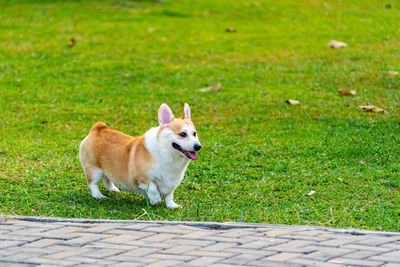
178 250
197 234
242 259
219 246
158 237
17 264
237 233
203 261
377 241
370 248
209 253
172 257
171 229
274 264
361 254
54 262
278 232
128 264
311 262
337 242
296 246
356 262
282 257
317 238
393 257
102 253
125 238
326 253
84 239
189 242
263 243
18 237
100 244
139 243
258 252
9 243
101 228
67 252
165 263
41 243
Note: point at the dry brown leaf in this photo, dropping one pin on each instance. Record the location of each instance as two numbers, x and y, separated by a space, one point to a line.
19 80
151 29
72 42
311 193
230 29
347 92
292 102
336 44
393 73
211 88
373 109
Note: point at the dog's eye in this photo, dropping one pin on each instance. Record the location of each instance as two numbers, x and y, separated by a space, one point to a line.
194 134
182 134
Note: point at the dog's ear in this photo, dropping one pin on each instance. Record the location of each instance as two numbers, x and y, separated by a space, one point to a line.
187 111
165 115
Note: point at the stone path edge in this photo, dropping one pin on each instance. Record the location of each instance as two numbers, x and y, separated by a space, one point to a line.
204 225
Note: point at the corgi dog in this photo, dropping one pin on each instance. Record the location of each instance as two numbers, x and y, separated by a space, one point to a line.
152 164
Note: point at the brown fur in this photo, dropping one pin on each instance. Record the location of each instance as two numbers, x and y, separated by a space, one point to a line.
123 157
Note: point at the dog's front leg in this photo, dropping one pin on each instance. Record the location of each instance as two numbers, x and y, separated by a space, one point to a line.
152 192
169 201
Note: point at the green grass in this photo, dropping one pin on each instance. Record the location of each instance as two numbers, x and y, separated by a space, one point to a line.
261 156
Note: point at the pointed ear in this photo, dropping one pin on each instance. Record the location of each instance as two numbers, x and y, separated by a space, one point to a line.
187 111
165 115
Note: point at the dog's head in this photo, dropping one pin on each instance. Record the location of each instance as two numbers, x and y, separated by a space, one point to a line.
178 134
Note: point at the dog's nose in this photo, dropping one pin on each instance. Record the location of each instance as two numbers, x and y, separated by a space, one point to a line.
197 147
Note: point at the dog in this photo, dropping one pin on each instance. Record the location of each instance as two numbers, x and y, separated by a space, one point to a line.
152 164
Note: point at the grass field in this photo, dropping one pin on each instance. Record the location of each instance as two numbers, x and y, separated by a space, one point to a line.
261 156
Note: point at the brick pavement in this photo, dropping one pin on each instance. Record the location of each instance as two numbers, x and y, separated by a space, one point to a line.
40 241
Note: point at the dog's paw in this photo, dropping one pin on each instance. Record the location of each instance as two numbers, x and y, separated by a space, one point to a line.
99 196
155 199
113 188
173 205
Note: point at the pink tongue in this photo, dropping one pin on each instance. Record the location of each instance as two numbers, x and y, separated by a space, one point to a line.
192 155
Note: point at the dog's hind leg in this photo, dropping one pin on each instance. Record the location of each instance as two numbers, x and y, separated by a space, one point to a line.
94 176
110 185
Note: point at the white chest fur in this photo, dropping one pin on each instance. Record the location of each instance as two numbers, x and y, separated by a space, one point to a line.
168 167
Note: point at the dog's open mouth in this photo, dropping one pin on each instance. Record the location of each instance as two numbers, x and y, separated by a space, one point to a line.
190 154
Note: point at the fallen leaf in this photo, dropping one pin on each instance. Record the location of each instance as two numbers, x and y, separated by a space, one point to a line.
363 162
211 88
230 29
340 179
151 29
292 102
393 73
19 80
72 42
311 193
336 44
347 92
373 108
